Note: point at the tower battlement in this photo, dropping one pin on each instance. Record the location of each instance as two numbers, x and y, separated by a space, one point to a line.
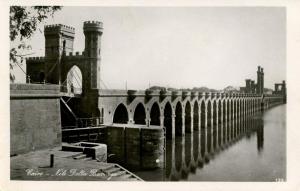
35 58
56 28
76 53
93 26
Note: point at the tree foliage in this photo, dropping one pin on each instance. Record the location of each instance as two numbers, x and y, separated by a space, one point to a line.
23 24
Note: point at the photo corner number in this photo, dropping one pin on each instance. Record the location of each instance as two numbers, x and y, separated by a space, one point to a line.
280 180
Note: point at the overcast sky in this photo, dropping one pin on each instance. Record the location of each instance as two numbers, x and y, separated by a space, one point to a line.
181 47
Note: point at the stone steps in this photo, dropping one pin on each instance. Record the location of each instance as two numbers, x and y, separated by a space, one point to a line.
116 171
79 156
113 170
87 159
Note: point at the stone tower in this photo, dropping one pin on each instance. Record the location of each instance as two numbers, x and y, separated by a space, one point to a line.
260 80
93 32
58 40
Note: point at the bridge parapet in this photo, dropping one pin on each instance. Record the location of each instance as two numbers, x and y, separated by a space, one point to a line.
186 94
176 94
163 94
207 95
194 94
112 93
151 93
213 95
201 95
132 94
222 95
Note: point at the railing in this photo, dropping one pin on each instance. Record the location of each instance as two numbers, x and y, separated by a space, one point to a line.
89 122
86 122
73 90
94 134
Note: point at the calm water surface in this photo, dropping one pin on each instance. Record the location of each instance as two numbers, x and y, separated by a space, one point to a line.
252 149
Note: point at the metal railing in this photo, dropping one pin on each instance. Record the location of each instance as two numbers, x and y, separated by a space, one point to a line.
89 122
73 90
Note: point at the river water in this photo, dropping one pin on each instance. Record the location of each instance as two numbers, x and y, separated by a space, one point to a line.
251 149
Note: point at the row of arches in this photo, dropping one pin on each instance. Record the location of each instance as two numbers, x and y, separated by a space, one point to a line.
179 118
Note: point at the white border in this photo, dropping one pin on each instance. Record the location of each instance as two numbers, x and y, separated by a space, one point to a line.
293 109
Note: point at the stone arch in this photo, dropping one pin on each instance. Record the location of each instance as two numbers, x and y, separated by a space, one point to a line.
242 107
155 114
139 115
251 106
220 125
237 108
209 124
228 109
232 109
187 112
168 119
203 115
224 119
202 126
178 118
247 106
214 124
209 113
196 116
73 81
215 112
120 114
219 111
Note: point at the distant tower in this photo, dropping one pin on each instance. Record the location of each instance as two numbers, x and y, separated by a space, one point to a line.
248 86
260 80
58 39
284 91
252 85
93 32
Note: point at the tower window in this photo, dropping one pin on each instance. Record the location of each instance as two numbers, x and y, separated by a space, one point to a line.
64 45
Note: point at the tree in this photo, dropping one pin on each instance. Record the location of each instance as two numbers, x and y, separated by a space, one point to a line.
23 23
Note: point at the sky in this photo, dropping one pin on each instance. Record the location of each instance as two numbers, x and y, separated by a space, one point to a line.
180 47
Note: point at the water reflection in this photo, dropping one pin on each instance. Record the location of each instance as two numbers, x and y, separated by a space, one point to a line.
185 154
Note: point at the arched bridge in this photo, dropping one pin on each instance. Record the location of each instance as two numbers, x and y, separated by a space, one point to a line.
180 111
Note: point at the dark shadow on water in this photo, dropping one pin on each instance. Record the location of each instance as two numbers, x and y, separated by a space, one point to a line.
188 155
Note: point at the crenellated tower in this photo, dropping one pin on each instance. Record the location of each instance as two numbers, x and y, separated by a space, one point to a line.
260 80
59 40
93 31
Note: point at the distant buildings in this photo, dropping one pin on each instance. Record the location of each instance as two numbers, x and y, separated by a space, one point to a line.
280 89
252 87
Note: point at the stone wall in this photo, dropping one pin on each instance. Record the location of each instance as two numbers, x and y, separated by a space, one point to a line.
35 121
136 147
